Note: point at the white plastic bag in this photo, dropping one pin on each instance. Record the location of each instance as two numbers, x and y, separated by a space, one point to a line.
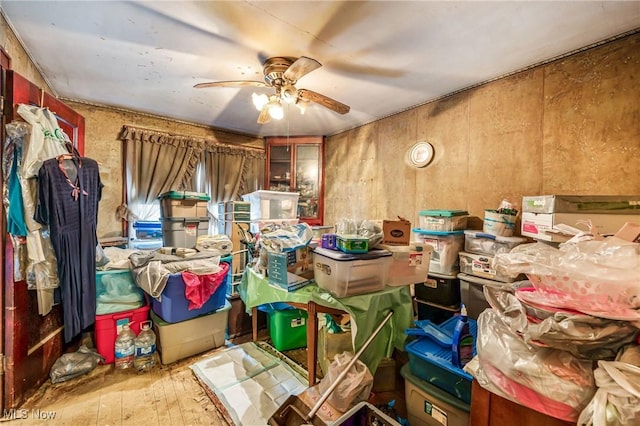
617 400
353 388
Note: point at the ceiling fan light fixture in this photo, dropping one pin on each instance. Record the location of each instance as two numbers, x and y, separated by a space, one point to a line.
289 94
302 105
275 109
259 101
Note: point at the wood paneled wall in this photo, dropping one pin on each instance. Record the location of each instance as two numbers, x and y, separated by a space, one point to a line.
571 126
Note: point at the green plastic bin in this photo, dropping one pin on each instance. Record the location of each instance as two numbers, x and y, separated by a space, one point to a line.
287 328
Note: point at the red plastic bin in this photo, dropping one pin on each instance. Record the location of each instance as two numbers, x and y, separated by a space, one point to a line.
108 326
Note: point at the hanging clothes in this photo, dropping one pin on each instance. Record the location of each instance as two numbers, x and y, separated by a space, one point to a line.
45 140
70 208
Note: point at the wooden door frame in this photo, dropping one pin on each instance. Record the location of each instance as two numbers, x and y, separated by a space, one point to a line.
31 343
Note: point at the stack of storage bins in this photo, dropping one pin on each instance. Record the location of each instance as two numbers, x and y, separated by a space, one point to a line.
476 267
118 301
148 235
183 332
437 392
438 299
184 218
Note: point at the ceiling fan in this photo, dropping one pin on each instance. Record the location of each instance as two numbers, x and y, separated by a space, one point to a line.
282 73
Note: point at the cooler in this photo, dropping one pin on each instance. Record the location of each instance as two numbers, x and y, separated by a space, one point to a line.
182 339
148 229
429 405
344 274
173 305
183 231
108 326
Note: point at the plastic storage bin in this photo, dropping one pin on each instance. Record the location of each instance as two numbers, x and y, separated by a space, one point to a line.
182 339
441 290
147 229
481 265
481 243
443 220
344 274
173 305
108 326
472 294
409 264
432 363
183 204
446 246
287 328
183 231
116 291
429 405
272 204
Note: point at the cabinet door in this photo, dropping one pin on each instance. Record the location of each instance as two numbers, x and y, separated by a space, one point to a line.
294 164
307 182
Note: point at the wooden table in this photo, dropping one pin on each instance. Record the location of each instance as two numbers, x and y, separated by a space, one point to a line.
312 309
366 311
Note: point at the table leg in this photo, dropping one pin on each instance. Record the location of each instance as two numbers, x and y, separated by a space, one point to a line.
312 342
254 323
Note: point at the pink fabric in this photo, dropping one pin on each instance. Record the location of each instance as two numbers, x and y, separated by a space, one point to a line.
199 288
528 397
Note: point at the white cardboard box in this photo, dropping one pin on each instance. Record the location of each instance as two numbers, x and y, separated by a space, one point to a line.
536 225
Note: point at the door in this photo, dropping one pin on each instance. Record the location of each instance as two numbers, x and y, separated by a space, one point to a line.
32 342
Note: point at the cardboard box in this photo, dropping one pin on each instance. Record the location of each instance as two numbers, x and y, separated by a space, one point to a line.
595 204
629 232
537 225
396 232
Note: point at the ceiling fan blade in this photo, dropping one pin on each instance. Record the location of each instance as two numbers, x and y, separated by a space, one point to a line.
301 67
239 83
264 116
323 100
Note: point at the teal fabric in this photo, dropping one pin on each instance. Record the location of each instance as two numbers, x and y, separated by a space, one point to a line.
15 212
366 310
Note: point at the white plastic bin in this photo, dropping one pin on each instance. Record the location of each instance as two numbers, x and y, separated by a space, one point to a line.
346 274
481 265
409 264
443 220
272 204
483 243
446 246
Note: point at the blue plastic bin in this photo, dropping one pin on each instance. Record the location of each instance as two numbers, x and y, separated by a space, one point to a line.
431 362
174 306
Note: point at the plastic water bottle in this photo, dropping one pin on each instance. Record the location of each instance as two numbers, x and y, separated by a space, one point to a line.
145 347
125 347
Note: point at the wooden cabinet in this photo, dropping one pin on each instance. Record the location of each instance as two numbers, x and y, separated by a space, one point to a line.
489 409
295 164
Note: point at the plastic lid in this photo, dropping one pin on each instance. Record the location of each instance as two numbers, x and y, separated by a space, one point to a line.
443 213
430 232
480 234
186 195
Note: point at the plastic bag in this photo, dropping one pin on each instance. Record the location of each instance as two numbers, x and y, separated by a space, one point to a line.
617 400
353 388
600 278
585 336
547 380
74 364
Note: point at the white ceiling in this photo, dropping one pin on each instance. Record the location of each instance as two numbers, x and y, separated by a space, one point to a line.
379 57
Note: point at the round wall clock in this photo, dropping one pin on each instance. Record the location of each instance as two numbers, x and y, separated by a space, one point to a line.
420 154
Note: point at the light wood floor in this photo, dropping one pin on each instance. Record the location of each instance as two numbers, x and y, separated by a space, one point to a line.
165 396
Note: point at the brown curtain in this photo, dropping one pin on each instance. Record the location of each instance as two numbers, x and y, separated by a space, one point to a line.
229 173
157 162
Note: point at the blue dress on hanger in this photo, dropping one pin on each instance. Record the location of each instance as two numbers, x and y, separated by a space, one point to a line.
70 208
